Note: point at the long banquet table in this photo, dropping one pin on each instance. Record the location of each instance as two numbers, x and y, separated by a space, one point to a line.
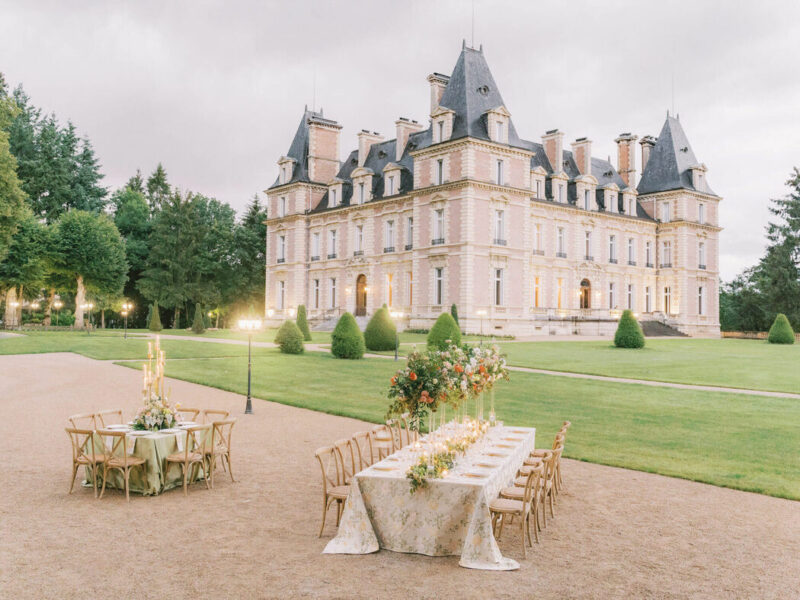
450 516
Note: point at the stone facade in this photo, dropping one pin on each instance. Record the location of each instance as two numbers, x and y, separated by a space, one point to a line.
525 238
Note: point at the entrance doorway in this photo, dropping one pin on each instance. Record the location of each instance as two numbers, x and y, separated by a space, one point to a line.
586 294
361 295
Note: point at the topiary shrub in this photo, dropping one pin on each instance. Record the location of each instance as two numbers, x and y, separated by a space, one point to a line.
302 322
155 319
454 314
198 325
629 333
444 333
290 338
347 341
381 333
781 331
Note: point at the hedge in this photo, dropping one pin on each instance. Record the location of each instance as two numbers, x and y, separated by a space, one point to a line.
155 319
347 341
302 322
198 325
781 331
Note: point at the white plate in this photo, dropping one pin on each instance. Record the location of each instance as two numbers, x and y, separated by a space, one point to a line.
118 426
186 423
139 432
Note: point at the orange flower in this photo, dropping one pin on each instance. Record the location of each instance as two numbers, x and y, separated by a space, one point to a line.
412 376
459 369
482 369
394 381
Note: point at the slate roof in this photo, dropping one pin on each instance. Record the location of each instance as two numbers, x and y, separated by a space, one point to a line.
299 148
670 162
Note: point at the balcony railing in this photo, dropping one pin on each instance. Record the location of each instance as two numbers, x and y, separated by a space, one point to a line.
388 249
332 255
701 267
437 241
561 254
500 242
588 257
666 265
313 258
358 253
632 263
409 246
538 252
281 260
649 265
613 261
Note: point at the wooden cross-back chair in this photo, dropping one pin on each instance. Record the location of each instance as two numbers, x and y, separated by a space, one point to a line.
333 487
109 417
188 414
383 441
194 454
83 421
519 505
549 489
119 458
363 442
210 415
347 455
84 454
220 446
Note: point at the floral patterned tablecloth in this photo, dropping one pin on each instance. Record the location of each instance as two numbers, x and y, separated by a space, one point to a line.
449 516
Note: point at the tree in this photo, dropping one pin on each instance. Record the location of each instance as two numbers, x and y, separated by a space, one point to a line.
88 194
24 266
89 249
302 322
132 218
158 188
289 338
381 333
154 320
247 268
198 325
454 313
347 341
781 331
629 333
136 183
12 198
444 333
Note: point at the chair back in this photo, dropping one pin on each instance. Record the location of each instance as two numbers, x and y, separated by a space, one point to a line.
551 462
116 444
187 414
347 458
363 443
331 469
83 421
558 442
221 436
108 417
82 443
565 426
397 434
411 436
211 415
532 486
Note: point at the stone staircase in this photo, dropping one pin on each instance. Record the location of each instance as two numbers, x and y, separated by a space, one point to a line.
659 329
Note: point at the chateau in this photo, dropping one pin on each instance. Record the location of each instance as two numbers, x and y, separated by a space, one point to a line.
524 237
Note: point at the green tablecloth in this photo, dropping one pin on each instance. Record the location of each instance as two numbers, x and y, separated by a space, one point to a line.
155 475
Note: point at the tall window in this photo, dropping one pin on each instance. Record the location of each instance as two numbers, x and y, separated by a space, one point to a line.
438 224
587 204
701 300
359 238
537 237
631 251
316 293
632 207
499 172
560 244
559 292
701 255
281 248
629 301
538 189
667 300
499 131
498 287
701 213
389 234
612 248
648 251
410 288
561 192
500 225
438 286
612 203
666 254
440 171
284 175
440 126
410 231
588 245
391 185
612 301
666 215
332 243
648 302
537 291
361 192
282 207
389 289
281 295
315 244
333 198
333 292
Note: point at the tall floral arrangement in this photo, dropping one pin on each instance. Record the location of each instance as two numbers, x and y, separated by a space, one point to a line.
157 413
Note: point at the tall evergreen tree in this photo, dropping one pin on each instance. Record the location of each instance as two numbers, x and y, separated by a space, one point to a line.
248 260
12 198
136 183
88 193
158 188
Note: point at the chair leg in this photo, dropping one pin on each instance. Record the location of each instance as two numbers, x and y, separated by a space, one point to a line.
127 486
105 478
500 532
74 473
536 524
551 505
94 479
326 503
185 475
206 474
524 545
230 470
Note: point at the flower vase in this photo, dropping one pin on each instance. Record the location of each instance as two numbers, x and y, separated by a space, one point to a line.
492 415
480 407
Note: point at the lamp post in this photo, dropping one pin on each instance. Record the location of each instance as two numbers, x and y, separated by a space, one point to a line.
88 307
57 305
126 308
249 325
14 305
481 313
396 316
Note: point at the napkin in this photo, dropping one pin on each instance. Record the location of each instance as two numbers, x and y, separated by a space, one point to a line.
131 443
180 440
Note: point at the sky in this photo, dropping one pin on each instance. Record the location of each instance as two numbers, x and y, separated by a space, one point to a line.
215 90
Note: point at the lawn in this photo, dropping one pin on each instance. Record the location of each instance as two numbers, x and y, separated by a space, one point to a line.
744 442
105 347
748 364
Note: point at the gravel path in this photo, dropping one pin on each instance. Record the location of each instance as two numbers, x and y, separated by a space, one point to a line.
617 533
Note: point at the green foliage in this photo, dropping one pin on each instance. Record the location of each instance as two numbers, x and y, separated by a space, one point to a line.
155 318
781 331
290 338
12 198
454 313
302 322
629 333
198 325
381 333
444 333
26 260
158 188
347 341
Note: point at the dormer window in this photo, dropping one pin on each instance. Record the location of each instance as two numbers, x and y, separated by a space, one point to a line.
440 129
587 201
361 193
561 192
500 130
390 183
332 198
612 202
538 189
632 207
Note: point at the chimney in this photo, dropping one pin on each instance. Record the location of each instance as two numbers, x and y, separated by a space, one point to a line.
405 127
553 142
438 83
647 144
582 151
626 158
323 148
365 141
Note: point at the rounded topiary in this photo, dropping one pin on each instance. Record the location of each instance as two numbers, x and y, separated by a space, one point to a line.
454 313
347 341
444 333
198 325
629 333
290 338
155 319
381 333
302 322
781 331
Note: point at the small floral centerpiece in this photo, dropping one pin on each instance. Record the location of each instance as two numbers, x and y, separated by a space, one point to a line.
434 466
157 413
418 388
